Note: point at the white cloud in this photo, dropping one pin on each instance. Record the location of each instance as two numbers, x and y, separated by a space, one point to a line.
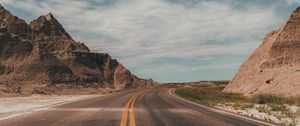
291 2
140 31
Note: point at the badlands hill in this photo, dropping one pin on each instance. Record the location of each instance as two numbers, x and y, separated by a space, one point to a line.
274 67
43 58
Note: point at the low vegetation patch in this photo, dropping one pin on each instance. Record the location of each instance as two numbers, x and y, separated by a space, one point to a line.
285 110
210 96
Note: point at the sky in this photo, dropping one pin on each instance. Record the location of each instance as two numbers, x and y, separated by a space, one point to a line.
167 40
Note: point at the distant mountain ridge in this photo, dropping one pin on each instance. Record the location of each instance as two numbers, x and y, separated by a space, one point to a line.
39 56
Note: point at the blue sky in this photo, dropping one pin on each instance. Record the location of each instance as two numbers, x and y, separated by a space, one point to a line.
167 40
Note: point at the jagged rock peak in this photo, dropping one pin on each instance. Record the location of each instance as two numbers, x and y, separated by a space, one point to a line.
14 24
48 25
1 7
49 16
49 61
295 14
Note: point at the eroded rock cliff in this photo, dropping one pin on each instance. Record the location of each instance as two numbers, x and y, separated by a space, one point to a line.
43 58
274 67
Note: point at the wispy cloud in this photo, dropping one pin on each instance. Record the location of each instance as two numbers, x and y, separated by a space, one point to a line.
140 33
290 2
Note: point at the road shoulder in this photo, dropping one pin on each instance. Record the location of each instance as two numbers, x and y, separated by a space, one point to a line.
171 92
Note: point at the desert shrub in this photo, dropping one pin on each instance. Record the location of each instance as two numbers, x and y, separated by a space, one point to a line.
274 99
264 109
247 105
276 107
293 101
267 98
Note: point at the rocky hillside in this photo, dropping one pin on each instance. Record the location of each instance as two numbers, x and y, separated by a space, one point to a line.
42 57
274 67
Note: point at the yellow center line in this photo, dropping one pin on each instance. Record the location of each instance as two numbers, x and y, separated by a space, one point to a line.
132 117
129 105
125 112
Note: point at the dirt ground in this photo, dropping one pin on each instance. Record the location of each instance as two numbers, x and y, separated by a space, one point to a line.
11 106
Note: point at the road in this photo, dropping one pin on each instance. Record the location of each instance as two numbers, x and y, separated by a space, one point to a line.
150 107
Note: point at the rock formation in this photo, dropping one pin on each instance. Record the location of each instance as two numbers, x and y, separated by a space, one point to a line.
41 56
274 67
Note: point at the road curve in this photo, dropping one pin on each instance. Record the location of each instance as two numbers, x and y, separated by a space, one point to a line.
151 107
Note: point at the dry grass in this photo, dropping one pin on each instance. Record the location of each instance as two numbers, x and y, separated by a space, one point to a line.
265 103
273 99
215 95
210 96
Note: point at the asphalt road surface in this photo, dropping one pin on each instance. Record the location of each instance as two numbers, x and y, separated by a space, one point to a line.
151 107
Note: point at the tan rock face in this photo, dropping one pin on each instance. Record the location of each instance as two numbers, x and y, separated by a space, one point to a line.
48 26
14 24
274 67
43 54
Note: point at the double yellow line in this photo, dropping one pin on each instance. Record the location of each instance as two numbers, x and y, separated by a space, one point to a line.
129 107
